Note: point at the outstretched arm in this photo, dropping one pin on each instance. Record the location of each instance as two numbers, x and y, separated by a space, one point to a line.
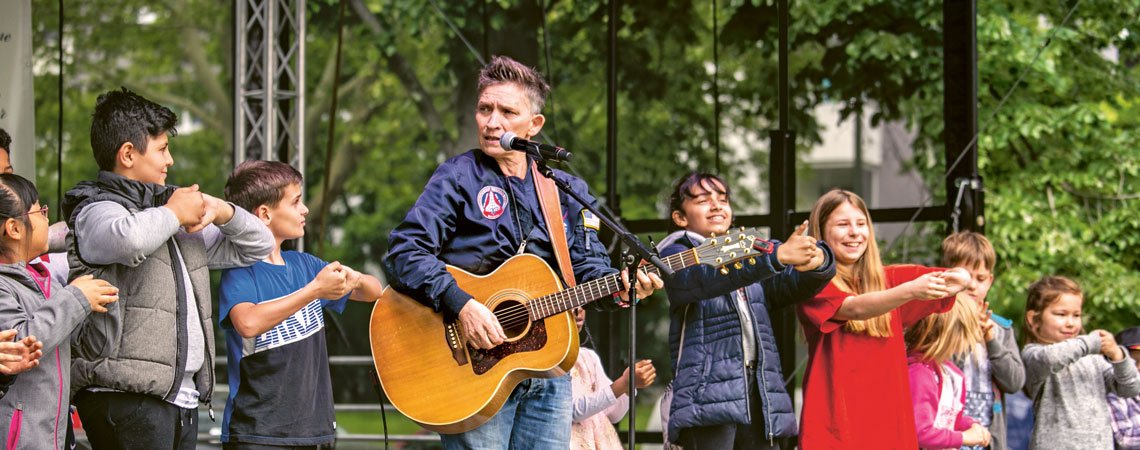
701 281
253 319
365 288
234 237
928 286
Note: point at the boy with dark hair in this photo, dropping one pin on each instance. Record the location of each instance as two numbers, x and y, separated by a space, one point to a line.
271 312
993 368
5 152
156 243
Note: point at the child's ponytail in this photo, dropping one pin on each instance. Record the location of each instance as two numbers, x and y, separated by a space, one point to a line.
17 194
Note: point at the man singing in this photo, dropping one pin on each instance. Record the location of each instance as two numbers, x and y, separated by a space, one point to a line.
478 210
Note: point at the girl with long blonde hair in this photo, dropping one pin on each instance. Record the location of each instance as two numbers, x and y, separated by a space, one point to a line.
856 388
937 386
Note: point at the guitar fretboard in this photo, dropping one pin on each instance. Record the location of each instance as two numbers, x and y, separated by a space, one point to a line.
584 293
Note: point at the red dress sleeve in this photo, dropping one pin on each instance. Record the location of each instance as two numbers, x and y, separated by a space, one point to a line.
819 312
913 311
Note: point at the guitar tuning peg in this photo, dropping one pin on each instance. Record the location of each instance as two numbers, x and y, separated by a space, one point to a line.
724 270
738 266
752 261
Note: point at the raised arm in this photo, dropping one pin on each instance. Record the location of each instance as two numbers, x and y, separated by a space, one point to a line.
1122 377
702 281
253 319
107 233
1005 361
586 405
235 238
794 285
365 288
928 286
1041 361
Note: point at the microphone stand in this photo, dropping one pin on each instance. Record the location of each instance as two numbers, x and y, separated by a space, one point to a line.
636 249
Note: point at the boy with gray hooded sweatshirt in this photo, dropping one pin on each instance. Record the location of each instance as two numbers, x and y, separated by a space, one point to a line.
157 243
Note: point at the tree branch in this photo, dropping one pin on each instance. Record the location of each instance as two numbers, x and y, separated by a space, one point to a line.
195 53
343 164
402 69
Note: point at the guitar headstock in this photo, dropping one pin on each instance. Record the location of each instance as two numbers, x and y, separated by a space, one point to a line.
733 249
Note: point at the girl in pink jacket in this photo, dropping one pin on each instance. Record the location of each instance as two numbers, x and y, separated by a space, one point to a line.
937 386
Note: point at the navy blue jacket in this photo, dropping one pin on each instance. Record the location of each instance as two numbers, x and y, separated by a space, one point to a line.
709 384
473 217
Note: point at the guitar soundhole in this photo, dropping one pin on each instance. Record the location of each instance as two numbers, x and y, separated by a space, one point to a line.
514 318
526 337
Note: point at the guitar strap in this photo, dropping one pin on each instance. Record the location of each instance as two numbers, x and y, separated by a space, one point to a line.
552 212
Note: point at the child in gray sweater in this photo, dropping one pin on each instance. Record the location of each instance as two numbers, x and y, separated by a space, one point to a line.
1068 374
34 411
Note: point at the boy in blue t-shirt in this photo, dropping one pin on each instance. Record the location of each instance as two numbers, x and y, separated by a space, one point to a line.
280 389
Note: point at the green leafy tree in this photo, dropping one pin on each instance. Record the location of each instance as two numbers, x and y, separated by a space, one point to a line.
1058 158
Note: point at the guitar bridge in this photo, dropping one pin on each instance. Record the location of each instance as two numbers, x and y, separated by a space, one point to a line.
451 335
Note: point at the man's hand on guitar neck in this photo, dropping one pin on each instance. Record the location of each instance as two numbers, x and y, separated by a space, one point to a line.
480 327
647 282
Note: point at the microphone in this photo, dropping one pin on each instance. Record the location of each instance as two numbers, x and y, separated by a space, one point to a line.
511 141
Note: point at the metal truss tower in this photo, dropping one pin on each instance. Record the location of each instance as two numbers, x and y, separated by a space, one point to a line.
269 82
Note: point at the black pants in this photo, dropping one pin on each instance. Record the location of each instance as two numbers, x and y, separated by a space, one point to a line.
123 420
734 436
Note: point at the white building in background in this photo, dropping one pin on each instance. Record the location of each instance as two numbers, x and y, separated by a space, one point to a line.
886 180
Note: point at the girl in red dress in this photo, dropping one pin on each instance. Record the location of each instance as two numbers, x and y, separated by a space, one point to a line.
856 387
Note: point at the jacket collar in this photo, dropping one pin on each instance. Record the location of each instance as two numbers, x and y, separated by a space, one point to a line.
19 273
131 192
684 237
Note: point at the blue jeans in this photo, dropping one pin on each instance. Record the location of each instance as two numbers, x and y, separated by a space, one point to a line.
537 415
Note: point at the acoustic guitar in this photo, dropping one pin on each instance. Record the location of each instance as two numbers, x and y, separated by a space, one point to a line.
430 373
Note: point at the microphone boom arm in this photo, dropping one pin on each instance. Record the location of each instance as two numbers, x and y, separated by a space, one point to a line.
628 238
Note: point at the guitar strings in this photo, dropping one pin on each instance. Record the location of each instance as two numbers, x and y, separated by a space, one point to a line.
519 314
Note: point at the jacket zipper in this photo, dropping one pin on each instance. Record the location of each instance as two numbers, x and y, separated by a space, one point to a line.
59 378
744 359
59 400
759 376
764 391
14 427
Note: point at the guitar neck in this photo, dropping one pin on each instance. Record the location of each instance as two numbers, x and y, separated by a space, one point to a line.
606 286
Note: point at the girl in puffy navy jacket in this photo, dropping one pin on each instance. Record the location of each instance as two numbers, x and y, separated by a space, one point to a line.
33 414
728 386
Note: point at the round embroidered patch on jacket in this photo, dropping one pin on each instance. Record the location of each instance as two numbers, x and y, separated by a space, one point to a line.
492 201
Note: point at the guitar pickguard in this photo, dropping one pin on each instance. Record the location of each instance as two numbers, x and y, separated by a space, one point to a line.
484 360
